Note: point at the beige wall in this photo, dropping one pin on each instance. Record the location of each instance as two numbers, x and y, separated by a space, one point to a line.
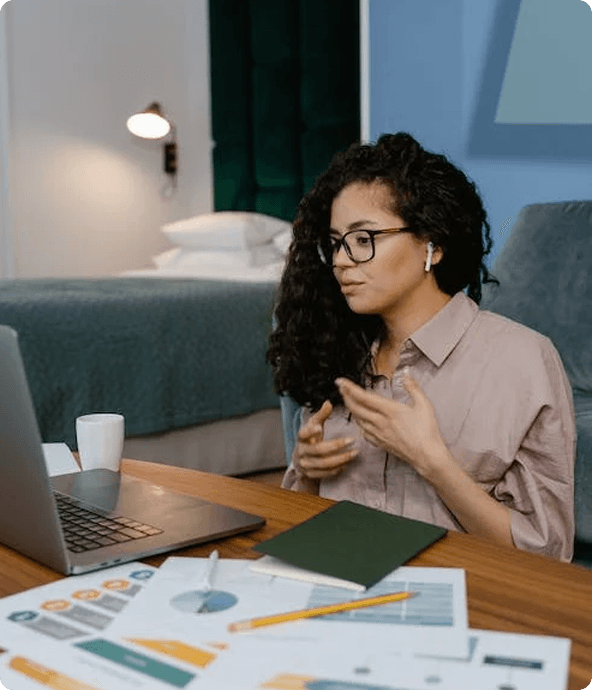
85 195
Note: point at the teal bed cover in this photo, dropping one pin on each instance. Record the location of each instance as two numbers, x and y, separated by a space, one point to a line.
165 353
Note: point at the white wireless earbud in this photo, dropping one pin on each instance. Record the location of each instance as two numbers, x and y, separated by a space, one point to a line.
428 263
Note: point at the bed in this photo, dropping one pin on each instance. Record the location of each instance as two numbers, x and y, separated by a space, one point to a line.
179 350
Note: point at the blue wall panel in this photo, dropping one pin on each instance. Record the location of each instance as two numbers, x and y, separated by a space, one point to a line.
436 70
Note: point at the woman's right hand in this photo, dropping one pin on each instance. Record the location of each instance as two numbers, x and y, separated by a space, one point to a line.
319 459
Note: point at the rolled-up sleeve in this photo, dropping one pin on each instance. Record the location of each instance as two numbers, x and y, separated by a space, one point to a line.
537 486
296 481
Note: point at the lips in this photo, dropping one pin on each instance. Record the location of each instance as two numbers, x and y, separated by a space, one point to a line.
347 287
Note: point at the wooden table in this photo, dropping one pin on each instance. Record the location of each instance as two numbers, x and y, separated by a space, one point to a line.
507 589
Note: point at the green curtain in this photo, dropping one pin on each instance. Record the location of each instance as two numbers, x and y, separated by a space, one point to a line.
285 88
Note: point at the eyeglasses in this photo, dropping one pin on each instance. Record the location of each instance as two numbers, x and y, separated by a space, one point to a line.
358 244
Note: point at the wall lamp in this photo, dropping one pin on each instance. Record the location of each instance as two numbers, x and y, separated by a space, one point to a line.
152 124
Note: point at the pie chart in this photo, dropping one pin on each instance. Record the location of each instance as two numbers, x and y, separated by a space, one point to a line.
204 602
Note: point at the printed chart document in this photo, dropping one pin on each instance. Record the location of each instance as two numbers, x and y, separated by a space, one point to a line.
433 621
174 624
133 626
45 632
496 661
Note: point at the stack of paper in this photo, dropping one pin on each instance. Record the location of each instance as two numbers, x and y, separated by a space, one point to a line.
136 627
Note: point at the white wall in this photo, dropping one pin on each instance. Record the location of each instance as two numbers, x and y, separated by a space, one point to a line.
85 194
6 244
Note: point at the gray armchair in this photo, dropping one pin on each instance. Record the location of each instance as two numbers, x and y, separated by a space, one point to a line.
545 274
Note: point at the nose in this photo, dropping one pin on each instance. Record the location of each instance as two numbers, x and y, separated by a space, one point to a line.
341 257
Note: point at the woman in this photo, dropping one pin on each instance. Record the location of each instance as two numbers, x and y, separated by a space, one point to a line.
415 401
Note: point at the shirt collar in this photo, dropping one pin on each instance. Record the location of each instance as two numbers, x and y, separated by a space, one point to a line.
440 335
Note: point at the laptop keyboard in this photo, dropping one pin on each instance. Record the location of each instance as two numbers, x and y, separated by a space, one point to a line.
86 529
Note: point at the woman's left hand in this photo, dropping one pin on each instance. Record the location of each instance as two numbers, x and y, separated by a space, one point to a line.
410 432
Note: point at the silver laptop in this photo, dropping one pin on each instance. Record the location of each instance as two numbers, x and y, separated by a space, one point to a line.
87 520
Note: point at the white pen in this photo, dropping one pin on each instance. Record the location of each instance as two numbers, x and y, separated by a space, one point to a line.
207 582
209 577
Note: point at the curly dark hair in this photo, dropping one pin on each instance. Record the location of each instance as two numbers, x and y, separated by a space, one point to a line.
318 337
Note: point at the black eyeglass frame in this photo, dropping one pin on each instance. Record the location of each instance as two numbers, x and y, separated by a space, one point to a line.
336 244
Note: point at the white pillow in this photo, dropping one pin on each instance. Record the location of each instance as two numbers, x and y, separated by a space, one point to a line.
282 241
230 230
187 258
264 255
166 258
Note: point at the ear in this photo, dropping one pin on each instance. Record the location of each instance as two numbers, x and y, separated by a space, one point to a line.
437 255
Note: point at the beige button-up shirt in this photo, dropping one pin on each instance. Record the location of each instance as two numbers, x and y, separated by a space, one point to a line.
505 411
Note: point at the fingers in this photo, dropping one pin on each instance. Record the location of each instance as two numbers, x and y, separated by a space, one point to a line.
326 449
357 397
321 415
319 459
315 463
313 429
323 459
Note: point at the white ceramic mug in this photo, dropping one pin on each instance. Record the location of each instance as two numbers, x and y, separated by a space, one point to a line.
100 440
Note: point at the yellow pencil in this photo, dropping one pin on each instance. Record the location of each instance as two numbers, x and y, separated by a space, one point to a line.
319 611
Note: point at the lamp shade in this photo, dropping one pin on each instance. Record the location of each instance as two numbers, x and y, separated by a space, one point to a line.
150 123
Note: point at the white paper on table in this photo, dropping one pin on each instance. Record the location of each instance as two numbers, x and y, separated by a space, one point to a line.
59 459
495 661
503 660
274 656
74 607
149 634
269 565
156 613
435 619
41 627
26 667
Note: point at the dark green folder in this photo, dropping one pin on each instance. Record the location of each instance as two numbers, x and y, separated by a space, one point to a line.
352 542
